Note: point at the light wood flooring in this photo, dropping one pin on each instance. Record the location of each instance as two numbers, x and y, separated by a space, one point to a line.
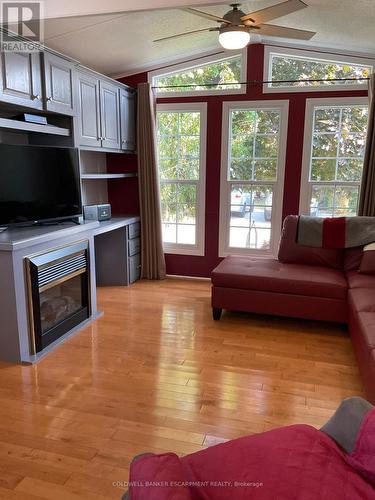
155 373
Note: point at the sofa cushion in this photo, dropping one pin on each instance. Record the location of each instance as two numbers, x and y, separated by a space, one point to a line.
292 253
362 459
370 379
364 333
366 322
363 300
270 275
345 424
358 280
352 258
368 260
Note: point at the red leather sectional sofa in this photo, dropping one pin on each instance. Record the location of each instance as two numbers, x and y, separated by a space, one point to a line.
304 282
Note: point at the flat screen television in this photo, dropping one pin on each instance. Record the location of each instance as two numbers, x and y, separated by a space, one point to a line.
38 184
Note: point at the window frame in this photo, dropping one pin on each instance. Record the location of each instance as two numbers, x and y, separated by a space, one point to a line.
306 184
199 247
269 51
225 185
177 68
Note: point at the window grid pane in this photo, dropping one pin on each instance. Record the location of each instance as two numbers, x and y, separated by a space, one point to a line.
335 179
252 174
250 142
178 151
284 67
179 170
193 79
178 211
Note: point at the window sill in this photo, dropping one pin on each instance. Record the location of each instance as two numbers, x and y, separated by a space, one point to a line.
249 253
183 250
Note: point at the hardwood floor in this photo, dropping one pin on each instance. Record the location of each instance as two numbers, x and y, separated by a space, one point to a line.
155 373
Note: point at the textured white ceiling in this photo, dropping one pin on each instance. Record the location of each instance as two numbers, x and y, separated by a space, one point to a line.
70 8
123 43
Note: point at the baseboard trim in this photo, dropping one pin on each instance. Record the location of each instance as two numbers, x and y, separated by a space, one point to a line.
180 277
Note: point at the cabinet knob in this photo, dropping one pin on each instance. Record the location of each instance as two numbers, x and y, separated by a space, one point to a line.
35 97
49 99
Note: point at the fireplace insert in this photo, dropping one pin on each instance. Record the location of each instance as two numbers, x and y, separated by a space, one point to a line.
58 289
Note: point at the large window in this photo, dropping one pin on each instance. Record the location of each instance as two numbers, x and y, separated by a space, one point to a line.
253 158
190 78
181 132
301 65
335 139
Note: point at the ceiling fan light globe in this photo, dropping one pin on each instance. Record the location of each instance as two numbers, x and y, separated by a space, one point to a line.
234 40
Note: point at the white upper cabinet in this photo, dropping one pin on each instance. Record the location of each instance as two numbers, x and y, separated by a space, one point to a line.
21 79
88 116
59 84
110 115
127 119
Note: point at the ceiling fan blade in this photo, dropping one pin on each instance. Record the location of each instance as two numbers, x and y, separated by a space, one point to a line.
184 34
284 32
211 17
275 11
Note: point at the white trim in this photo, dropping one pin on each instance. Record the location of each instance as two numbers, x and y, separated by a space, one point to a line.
311 104
277 203
311 46
199 247
167 63
177 68
269 51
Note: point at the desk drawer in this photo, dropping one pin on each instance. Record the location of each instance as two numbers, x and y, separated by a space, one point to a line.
134 268
134 246
134 230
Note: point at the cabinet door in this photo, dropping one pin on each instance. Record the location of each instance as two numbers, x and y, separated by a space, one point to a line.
58 74
88 116
20 76
134 268
110 115
127 115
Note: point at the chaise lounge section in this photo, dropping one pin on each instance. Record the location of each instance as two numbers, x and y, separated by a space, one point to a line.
304 282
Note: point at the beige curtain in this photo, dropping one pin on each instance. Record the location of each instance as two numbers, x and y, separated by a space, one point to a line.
152 261
367 196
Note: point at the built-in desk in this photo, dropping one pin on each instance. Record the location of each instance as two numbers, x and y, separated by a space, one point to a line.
112 247
117 252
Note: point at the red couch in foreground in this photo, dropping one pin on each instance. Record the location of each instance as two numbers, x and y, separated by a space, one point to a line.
304 282
295 462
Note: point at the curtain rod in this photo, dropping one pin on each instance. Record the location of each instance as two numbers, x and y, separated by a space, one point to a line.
261 82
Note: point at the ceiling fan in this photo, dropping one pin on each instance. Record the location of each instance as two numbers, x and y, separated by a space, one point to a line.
236 26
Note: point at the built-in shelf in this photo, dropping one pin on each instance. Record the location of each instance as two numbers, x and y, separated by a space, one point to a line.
33 127
108 176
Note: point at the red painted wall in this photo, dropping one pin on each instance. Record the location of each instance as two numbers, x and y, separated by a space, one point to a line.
123 195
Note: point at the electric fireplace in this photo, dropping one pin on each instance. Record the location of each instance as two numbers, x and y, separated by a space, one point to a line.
58 292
